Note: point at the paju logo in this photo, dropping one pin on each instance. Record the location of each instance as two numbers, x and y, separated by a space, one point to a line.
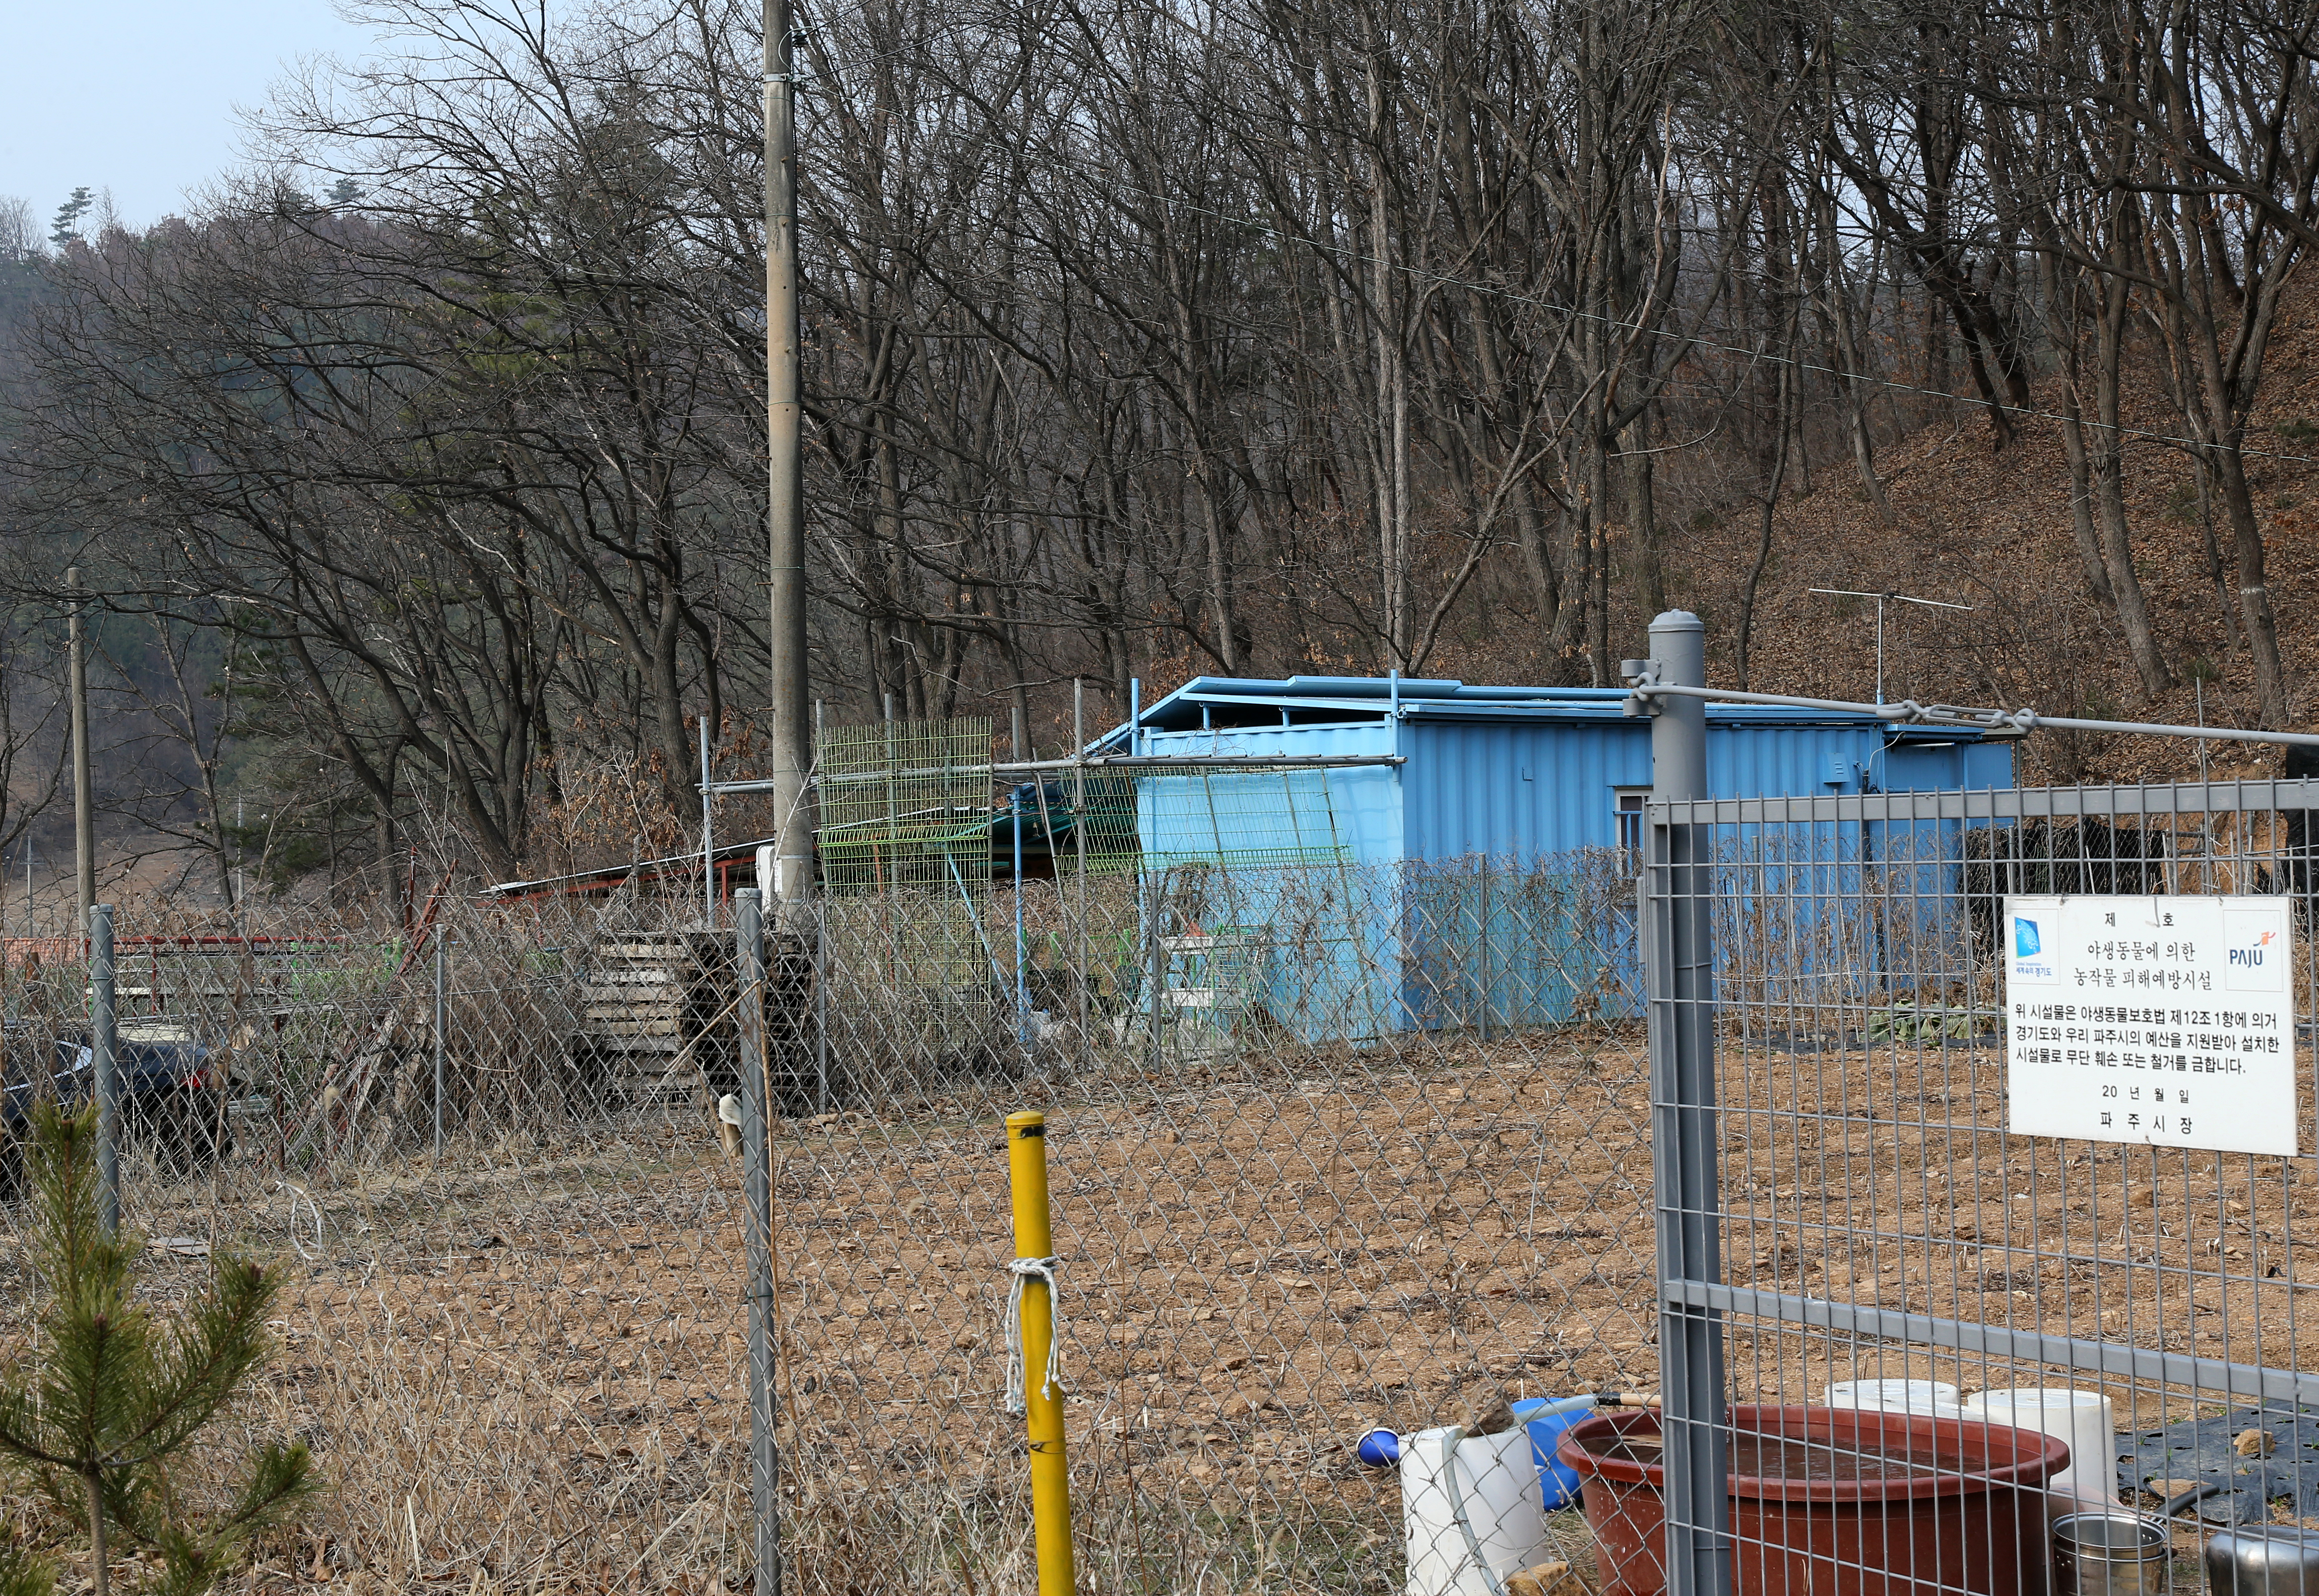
2025 938
2252 958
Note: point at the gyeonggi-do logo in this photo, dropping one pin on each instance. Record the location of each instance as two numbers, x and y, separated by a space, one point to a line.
2029 948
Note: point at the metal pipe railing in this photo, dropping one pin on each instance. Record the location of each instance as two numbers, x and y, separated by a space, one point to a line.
1101 761
1908 712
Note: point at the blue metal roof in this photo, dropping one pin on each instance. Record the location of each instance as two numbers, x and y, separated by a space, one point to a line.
1229 703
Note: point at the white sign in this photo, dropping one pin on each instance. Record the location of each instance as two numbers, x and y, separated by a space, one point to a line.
2162 1019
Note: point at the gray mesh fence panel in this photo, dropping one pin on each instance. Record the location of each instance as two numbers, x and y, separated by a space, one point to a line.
2033 1326
1331 1145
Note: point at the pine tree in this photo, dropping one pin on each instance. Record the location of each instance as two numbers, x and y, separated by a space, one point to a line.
65 228
104 1398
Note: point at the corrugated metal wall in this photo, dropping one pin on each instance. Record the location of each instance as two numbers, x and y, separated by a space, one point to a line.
1363 803
1515 791
1750 755
1533 788
1534 797
1527 791
1933 766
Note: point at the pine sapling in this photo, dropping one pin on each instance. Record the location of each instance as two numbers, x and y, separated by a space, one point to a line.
100 1402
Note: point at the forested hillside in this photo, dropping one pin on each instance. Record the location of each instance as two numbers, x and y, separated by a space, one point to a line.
424 461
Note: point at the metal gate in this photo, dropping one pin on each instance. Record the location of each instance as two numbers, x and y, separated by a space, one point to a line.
1918 1118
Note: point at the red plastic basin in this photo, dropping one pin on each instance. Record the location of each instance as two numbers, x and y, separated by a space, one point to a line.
1834 1501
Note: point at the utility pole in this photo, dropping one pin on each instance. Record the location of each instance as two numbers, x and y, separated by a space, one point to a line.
84 799
785 507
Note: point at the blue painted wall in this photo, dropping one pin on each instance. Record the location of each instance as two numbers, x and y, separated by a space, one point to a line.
1406 935
1358 811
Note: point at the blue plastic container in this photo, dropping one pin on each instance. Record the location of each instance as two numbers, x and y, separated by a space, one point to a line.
1557 1480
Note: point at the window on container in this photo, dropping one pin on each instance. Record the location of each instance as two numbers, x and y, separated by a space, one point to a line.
1629 808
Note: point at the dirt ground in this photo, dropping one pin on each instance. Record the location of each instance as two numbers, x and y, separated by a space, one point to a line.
1259 1269
524 1369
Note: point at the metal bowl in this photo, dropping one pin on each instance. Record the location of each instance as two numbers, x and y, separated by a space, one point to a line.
2263 1560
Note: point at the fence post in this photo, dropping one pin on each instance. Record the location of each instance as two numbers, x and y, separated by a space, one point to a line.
1155 961
756 1145
1680 976
104 1059
1488 989
438 1043
1035 1306
821 1005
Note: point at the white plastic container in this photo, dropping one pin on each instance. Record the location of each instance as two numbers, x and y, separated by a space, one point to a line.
1897 1396
1467 1496
2080 1418
1930 1410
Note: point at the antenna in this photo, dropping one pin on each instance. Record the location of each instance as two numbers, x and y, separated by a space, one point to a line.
1881 598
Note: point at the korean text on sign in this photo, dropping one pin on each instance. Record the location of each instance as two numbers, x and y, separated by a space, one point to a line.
2162 1019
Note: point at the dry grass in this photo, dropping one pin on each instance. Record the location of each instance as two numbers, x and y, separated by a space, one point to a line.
518 1374
524 1371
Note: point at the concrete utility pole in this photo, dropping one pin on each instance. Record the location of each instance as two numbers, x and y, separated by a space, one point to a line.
785 513
84 798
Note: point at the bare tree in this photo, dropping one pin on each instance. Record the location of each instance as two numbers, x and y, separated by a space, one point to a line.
2226 99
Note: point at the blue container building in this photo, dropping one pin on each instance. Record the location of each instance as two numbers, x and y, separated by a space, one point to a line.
1487 879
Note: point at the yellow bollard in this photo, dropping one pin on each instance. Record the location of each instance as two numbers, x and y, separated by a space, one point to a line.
1050 1479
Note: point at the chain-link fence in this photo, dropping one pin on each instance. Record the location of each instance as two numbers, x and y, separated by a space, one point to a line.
510 1332
1334 1146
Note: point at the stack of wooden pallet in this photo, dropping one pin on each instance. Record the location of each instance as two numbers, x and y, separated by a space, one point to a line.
661 1020
657 1015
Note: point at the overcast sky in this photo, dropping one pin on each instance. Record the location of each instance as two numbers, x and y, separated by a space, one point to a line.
138 96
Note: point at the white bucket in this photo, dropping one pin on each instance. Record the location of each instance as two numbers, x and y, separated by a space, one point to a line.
1897 1396
1464 1497
2080 1418
1930 1409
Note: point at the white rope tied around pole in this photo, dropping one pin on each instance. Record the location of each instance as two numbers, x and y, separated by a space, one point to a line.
1022 1271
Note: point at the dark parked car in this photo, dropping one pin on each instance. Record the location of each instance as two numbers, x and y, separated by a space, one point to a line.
173 1094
